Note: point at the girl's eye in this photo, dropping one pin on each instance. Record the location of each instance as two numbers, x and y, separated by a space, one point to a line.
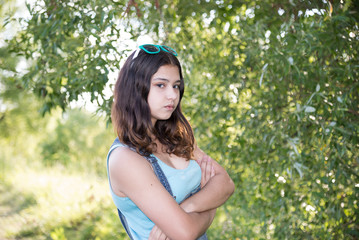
176 86
160 85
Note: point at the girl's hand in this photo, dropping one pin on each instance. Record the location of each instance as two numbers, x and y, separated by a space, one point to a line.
157 234
207 169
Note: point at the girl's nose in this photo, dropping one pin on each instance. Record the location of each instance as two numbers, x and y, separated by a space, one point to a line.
172 93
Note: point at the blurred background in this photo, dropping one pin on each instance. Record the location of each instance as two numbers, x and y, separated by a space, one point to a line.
272 93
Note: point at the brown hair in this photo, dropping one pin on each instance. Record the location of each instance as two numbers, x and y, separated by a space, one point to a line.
131 116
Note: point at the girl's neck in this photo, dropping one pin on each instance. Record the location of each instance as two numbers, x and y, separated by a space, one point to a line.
161 149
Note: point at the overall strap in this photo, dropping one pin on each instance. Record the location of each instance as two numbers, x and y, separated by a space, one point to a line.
159 173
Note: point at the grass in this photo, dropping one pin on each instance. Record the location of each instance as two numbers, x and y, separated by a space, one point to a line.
48 203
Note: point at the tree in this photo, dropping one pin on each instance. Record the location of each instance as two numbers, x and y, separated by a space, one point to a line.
272 92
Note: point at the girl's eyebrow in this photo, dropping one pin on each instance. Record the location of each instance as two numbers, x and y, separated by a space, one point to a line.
164 79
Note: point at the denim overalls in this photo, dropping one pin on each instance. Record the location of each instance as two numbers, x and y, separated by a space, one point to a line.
161 176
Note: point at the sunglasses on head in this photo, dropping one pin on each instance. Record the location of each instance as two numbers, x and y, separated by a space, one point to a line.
154 49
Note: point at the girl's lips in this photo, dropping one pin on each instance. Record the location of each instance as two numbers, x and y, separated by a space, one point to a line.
169 107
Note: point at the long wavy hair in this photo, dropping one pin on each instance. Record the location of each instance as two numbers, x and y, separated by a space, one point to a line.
131 115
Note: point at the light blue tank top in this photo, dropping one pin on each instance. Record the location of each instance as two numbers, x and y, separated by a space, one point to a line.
183 182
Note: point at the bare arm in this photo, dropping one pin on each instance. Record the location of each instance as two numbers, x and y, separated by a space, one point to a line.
215 192
157 233
132 176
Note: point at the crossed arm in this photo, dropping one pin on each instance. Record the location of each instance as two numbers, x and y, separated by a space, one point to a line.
136 180
216 188
216 185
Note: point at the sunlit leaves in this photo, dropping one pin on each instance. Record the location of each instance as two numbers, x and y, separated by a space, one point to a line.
76 41
271 91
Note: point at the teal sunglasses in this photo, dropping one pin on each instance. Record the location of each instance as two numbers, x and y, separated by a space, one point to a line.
154 49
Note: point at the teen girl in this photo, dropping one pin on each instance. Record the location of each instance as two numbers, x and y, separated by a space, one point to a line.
154 165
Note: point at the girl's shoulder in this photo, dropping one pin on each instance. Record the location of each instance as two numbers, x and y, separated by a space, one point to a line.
118 147
123 161
121 153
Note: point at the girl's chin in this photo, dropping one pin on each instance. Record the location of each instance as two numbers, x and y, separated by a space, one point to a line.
162 118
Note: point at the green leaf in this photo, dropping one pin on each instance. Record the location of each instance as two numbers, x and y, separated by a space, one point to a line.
309 109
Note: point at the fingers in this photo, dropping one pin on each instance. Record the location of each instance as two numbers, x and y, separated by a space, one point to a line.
203 171
154 233
157 234
212 171
207 170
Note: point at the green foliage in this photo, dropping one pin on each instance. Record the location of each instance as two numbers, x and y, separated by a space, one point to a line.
64 42
58 234
275 97
75 138
41 195
272 93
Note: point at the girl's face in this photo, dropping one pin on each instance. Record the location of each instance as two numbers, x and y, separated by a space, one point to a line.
164 93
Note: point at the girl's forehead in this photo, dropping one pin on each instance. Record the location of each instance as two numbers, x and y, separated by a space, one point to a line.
167 71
